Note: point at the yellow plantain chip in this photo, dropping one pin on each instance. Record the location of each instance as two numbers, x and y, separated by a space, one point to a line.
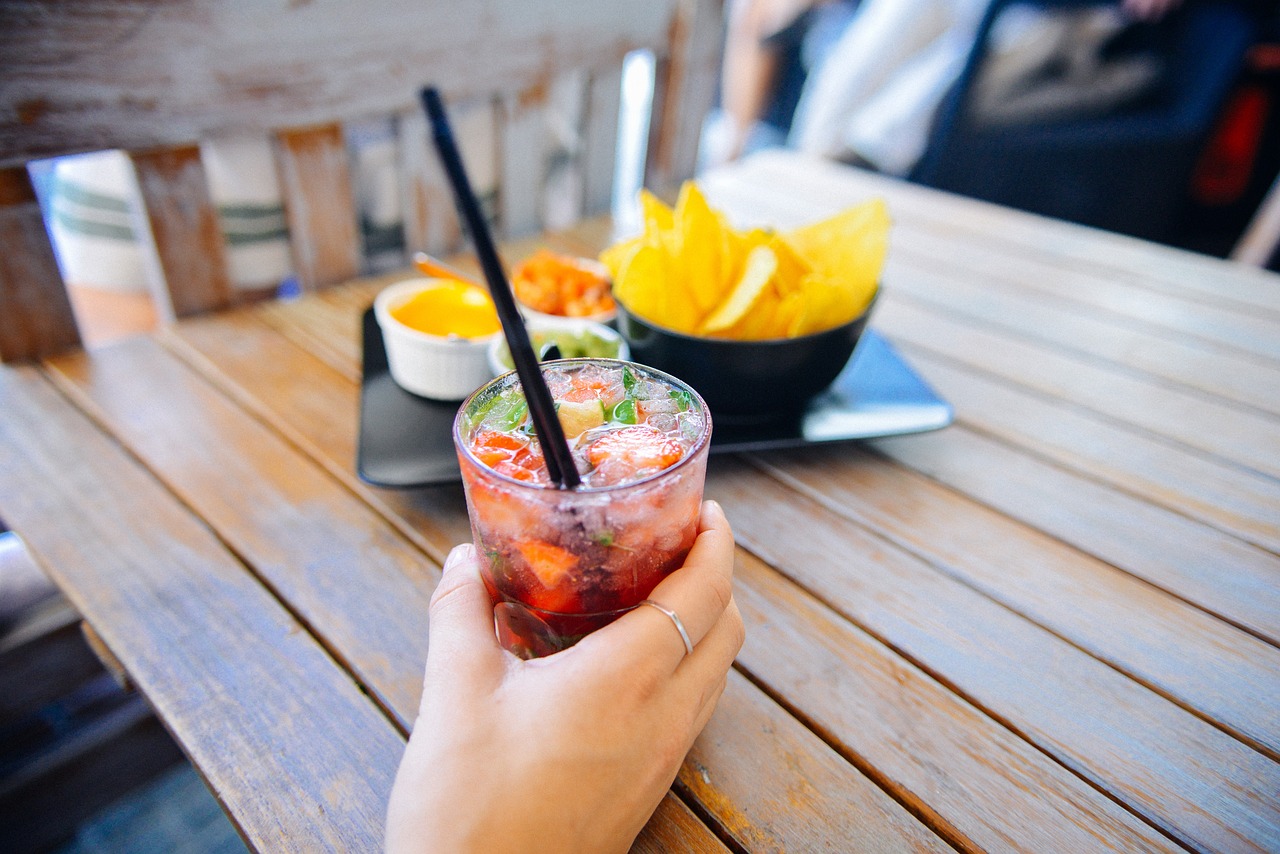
760 323
737 246
751 287
644 286
700 247
616 256
771 316
826 306
691 272
848 250
789 308
638 272
657 216
792 268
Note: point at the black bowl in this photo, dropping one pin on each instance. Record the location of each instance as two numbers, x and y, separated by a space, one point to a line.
747 381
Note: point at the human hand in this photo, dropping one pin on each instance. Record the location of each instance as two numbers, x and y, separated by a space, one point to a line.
572 752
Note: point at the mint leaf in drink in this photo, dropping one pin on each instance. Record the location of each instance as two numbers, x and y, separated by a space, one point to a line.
504 412
624 412
609 540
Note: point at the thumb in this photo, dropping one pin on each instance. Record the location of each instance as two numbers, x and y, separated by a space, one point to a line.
461 613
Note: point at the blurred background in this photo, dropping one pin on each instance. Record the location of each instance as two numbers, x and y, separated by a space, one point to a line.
1153 118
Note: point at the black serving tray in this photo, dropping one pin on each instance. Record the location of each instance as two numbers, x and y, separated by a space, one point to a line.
406 440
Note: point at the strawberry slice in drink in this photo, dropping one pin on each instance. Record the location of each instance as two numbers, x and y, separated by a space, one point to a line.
513 455
492 447
552 567
632 452
590 385
526 465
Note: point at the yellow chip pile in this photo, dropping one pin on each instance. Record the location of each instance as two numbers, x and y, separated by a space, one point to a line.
691 272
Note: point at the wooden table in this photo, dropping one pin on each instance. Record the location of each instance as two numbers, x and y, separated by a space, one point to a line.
1051 626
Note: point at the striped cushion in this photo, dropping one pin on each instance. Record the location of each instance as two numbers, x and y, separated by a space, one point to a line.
93 198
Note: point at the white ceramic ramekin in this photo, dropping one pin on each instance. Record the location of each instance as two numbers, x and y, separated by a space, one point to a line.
434 366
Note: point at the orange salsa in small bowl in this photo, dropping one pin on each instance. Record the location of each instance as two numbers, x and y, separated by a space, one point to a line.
559 285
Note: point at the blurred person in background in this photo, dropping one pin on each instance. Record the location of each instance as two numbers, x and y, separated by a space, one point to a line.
861 80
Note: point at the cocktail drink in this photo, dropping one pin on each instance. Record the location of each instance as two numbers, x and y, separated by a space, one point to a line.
561 563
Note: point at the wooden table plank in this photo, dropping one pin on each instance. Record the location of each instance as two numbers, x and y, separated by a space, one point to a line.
259 367
1212 570
300 531
1187 777
945 235
817 802
1223 674
1104 256
1230 432
224 665
1227 497
283 524
980 785
1001 301
675 827
332 336
1246 330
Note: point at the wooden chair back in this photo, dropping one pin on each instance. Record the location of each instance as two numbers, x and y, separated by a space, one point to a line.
156 78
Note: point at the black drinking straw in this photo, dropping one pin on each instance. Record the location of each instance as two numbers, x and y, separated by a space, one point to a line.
555 449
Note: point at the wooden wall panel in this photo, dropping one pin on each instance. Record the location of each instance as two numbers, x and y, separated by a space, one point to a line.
521 169
319 204
430 217
564 185
184 247
35 311
684 91
90 74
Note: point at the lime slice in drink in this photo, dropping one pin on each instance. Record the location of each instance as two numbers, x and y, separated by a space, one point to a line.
578 417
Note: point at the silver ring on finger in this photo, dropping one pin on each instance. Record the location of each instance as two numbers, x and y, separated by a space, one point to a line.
675 620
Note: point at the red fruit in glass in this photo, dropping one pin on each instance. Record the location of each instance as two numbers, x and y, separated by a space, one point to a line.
560 563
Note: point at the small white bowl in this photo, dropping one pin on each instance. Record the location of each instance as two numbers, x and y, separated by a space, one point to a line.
434 366
532 315
587 264
575 326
